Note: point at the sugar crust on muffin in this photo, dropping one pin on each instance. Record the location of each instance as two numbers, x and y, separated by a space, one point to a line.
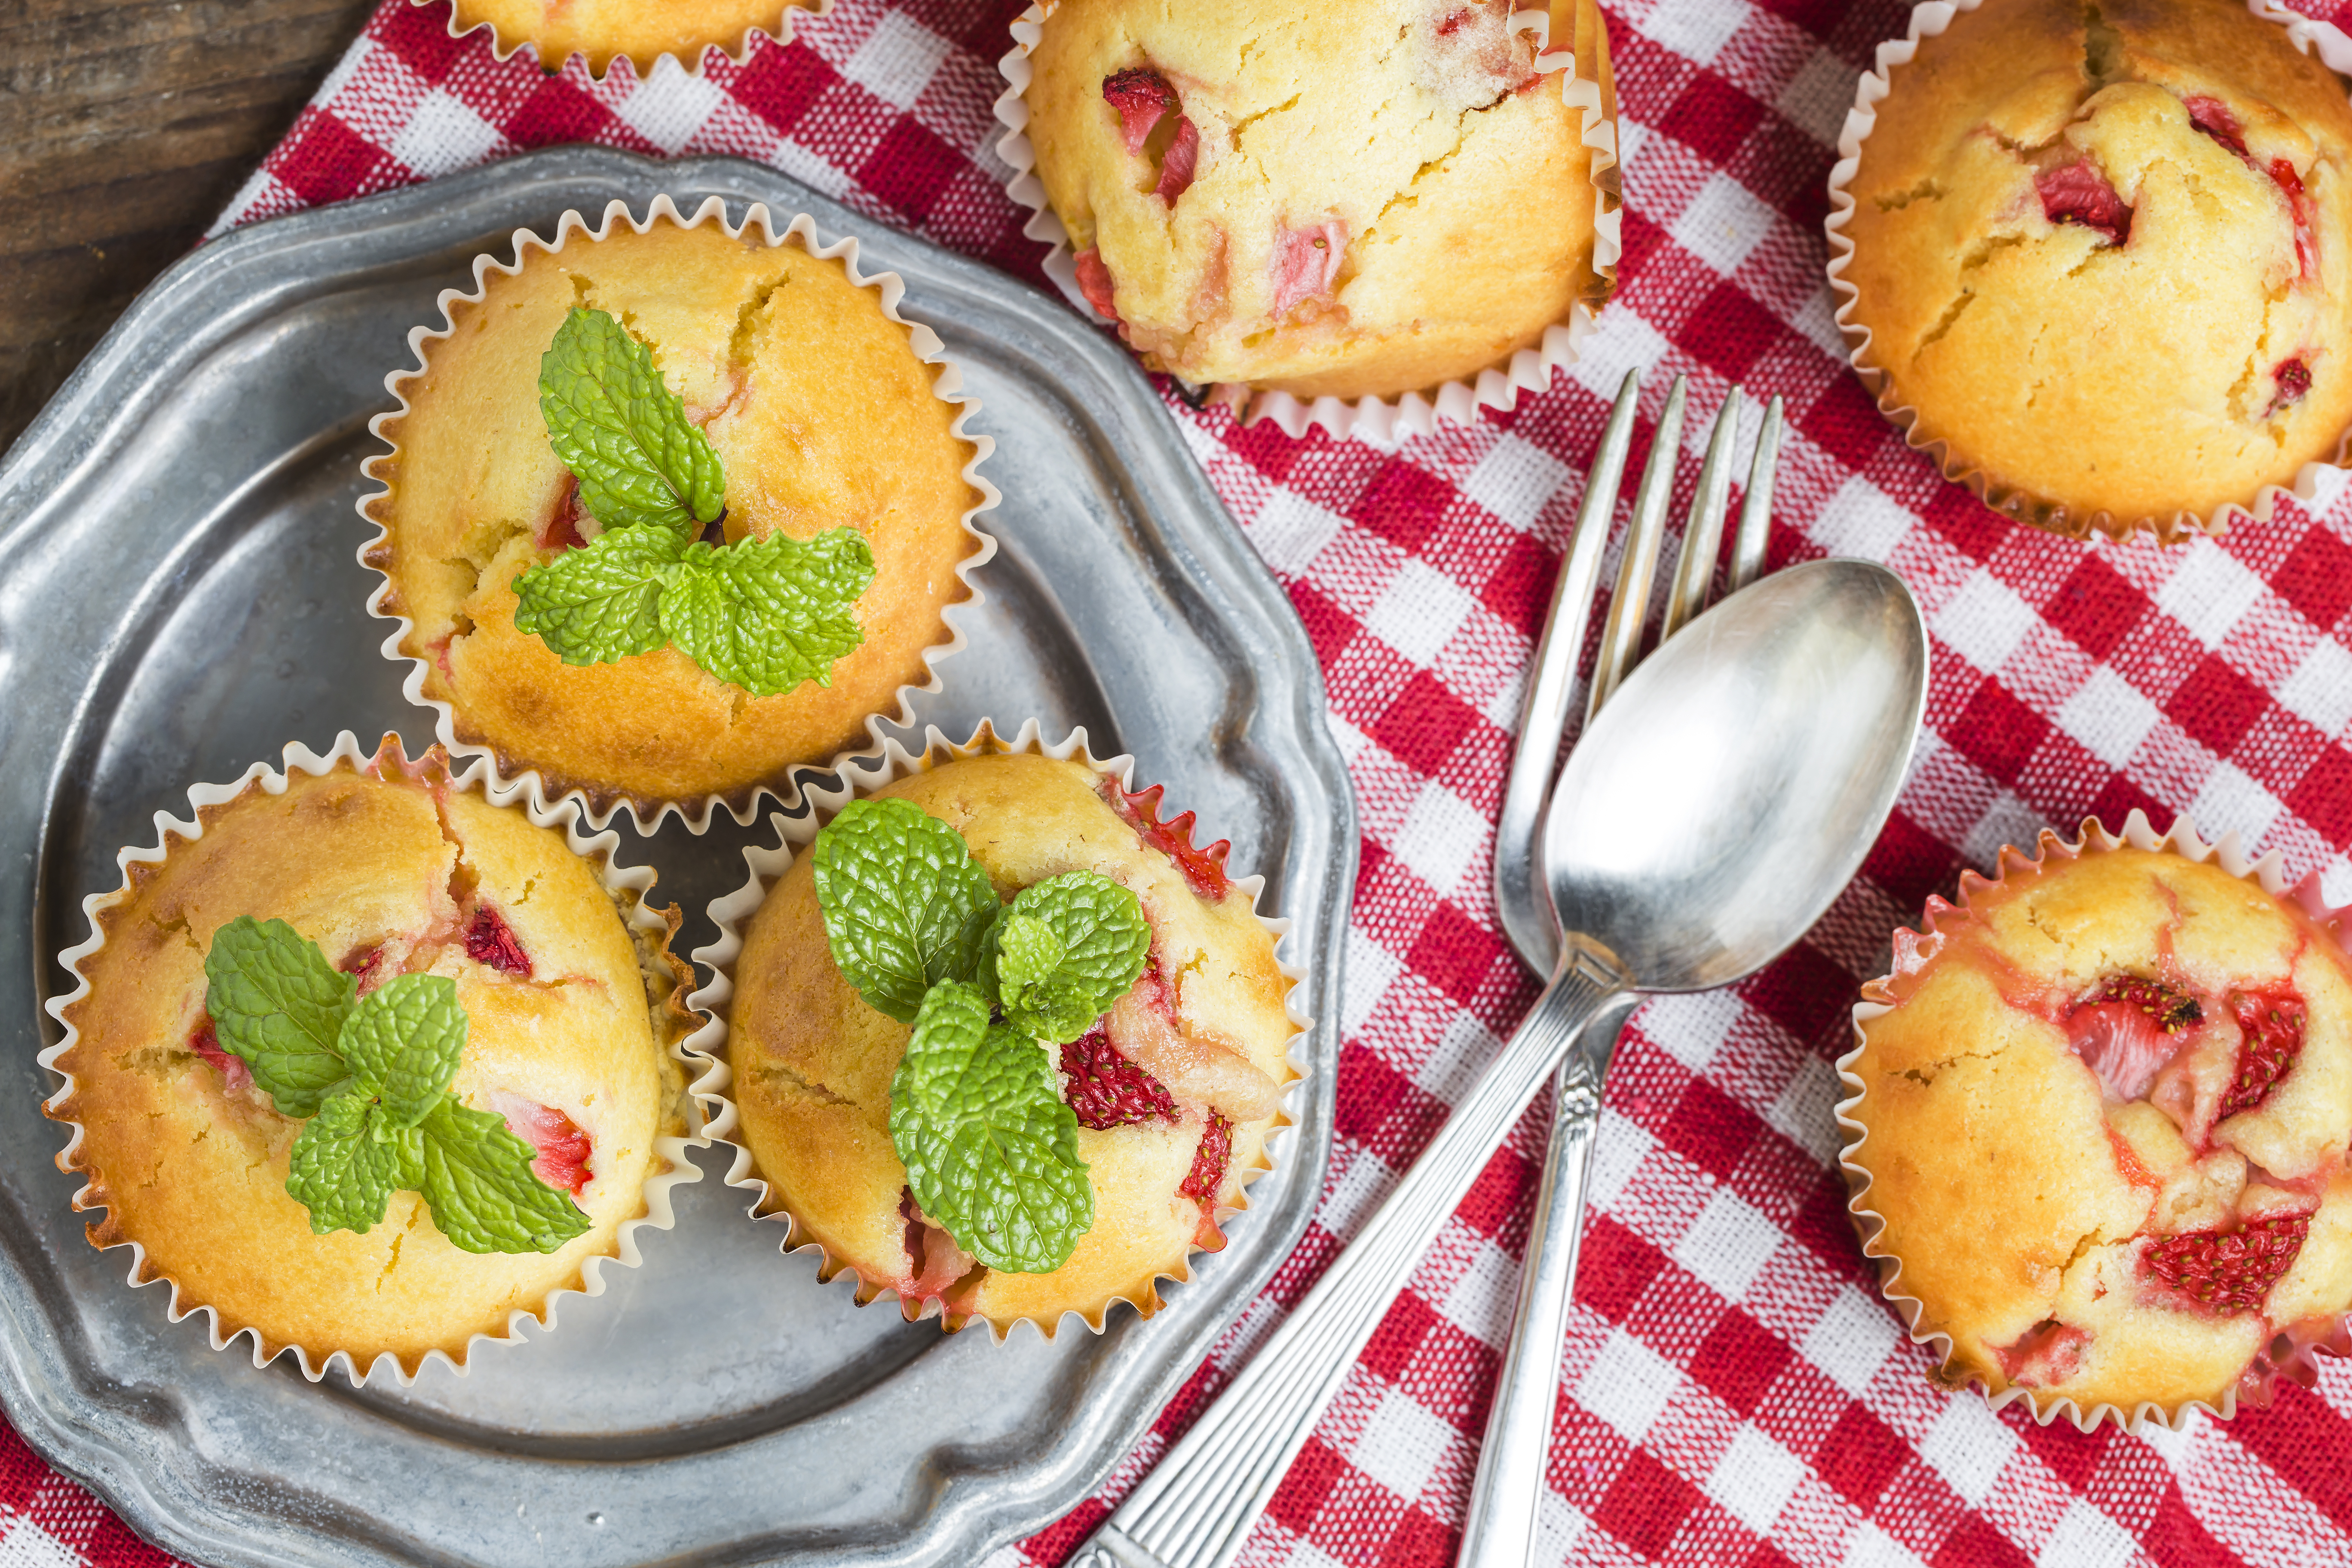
570 1011
822 416
813 1063
642 30
1346 200
2104 251
2105 1128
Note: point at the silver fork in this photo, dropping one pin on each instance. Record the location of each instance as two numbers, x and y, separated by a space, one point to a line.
1500 1528
1196 1507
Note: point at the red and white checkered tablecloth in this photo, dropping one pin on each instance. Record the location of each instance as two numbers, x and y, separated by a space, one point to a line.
1737 1394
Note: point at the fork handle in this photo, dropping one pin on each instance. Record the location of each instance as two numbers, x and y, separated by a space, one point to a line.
1500 1529
1196 1509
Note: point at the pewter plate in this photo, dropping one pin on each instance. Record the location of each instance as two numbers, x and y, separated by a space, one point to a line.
179 597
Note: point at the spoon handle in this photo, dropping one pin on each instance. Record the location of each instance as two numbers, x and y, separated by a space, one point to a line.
1194 1509
1500 1529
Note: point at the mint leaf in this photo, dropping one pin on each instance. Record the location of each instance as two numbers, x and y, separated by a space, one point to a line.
906 906
278 1006
476 1175
1082 942
991 1151
403 1042
601 603
623 434
346 1164
768 613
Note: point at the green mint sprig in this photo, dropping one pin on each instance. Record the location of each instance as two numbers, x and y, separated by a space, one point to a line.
369 1079
976 1112
765 614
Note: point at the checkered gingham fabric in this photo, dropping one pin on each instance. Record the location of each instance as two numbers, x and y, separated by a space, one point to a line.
1735 1391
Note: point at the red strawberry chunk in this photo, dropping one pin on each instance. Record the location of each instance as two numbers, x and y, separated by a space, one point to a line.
1105 1090
489 939
2213 117
2172 1008
1305 263
1204 870
2078 193
2045 1355
1176 169
2128 1030
2298 204
562 531
2273 1022
2228 1271
362 963
1207 1177
1142 96
2292 378
563 1146
1094 282
206 1043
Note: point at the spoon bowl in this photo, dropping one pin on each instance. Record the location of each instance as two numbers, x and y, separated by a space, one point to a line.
1728 792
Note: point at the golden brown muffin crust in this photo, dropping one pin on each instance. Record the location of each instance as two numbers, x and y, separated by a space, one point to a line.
823 417
2088 383
813 1063
642 30
194 1172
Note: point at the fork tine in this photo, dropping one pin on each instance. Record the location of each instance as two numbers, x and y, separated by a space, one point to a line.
1756 510
1629 602
1525 909
1702 534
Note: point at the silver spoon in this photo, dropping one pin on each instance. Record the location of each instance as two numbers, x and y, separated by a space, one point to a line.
1709 816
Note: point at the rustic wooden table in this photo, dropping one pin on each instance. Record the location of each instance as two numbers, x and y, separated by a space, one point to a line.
125 127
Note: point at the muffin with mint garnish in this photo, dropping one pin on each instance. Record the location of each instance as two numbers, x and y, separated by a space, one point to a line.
671 512
1007 1044
369 1066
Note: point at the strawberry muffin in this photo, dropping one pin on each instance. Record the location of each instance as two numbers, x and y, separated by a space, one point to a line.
372 964
2103 257
1354 201
2103 1111
1153 1090
642 30
815 423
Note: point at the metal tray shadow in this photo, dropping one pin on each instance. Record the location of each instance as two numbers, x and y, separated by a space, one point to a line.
179 597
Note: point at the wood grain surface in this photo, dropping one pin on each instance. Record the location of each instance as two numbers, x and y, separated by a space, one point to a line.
125 127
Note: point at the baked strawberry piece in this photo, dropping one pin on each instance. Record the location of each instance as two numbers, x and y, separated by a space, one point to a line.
1094 993
2104 256
2106 1104
1362 200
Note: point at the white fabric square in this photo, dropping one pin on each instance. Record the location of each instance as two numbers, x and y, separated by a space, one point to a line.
1724 222
444 136
2209 592
1559 1527
808 167
897 60
2087 1538
1755 1478
2319 692
2229 799
2109 717
2007 820
1871 1547
1815 318
1985 621
1805 1111
1290 531
1483 1297
1514 480
1861 521
1402 1444
1461 1053
1369 970
1818 96
1627 1385
1619 1146
27 1545
669 106
1418 611
1695 32
2174 1447
1625 341
1691 1024
1364 1181
1442 839
1969 1447
1728 1245
1346 736
1850 1340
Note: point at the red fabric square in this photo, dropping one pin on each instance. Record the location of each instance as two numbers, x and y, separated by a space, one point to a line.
1308 1485
2323 798
1424 726
1402 504
2216 705
1998 733
1398 1339
1860 1456
1328 627
2317 578
1613 1267
2094 605
322 158
1711 117
1519 590
419 35
910 168
1711 1128
1807 993
1646 1505
1739 332
1910 863
780 85
1419 1542
1738 1359
1975 1542
2177 1538
2305 1441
